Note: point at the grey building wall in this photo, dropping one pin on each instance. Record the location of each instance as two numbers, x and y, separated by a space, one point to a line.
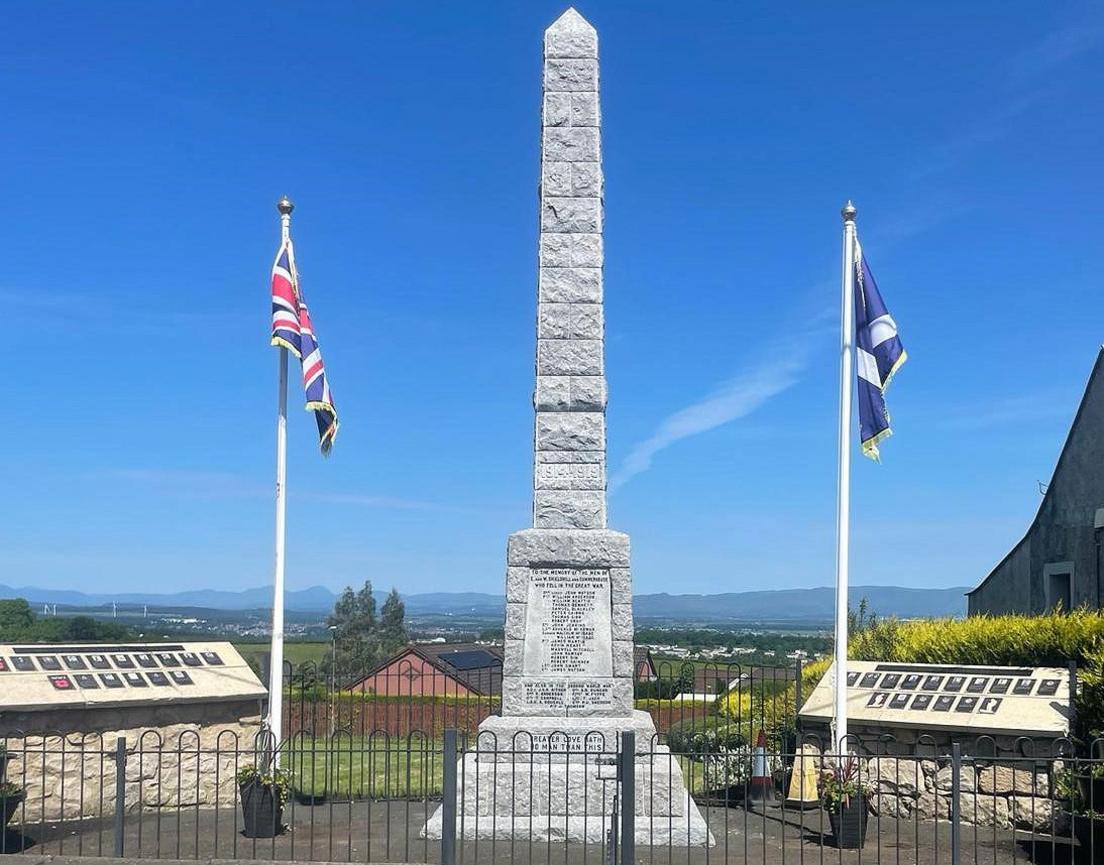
1063 537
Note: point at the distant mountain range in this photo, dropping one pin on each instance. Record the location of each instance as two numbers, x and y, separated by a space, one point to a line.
781 605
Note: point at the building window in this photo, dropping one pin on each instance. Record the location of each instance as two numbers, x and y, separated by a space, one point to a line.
1058 585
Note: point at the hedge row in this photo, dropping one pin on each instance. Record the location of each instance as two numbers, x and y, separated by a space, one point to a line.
1032 641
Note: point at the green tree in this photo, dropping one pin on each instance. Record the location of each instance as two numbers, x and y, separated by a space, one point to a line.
392 630
356 636
19 623
15 617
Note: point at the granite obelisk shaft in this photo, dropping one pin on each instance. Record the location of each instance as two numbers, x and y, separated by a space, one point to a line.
569 489
569 628
567 676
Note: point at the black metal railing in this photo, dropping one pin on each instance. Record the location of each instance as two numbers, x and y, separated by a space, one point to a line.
546 795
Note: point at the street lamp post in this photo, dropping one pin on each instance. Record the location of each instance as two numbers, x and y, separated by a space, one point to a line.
333 680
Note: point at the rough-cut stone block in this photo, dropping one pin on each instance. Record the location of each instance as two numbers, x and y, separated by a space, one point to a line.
570 144
582 548
1008 779
557 179
621 585
588 393
586 179
555 249
570 75
570 393
570 284
517 585
581 215
558 109
571 431
552 393
569 321
943 779
569 357
622 622
584 109
982 810
515 621
513 656
1032 812
933 806
587 250
570 250
569 509
889 775
623 658
571 36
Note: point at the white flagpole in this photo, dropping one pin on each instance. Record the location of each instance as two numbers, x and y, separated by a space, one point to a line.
276 653
843 502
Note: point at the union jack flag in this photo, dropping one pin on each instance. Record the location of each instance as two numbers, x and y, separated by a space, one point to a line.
292 329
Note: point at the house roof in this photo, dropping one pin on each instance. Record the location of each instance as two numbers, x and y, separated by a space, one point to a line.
477 666
1085 397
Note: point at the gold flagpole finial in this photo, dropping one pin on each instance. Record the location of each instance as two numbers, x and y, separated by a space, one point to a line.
285 206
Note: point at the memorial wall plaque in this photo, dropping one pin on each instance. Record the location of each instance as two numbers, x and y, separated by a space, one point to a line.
567 627
37 677
993 700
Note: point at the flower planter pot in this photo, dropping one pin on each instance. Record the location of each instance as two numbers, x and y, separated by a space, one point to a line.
9 804
262 811
849 823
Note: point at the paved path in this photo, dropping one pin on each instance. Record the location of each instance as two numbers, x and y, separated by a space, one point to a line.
387 832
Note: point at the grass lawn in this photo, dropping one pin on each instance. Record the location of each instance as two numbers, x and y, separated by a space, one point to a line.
363 768
366 767
295 652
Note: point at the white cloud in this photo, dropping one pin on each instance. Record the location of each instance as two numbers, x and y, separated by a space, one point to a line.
775 371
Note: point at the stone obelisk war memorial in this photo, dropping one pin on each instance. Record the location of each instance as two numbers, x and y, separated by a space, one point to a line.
567 690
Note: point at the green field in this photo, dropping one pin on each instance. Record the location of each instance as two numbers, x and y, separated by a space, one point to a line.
296 652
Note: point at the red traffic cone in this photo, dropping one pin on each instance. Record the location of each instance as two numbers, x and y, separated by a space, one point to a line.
762 786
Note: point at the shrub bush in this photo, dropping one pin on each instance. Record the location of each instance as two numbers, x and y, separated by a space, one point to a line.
1035 641
709 735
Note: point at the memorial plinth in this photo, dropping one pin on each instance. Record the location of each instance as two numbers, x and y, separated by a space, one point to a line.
541 769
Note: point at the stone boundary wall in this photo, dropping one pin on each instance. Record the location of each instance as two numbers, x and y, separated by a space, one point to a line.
185 756
1001 792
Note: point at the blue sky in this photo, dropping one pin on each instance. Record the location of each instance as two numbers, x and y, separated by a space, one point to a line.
144 147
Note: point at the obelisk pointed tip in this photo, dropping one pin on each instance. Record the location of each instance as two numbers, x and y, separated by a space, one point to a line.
571 20
571 35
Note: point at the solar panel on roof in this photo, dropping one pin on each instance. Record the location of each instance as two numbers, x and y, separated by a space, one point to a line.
471 659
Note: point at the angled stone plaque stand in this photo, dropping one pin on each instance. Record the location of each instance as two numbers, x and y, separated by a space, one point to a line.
567 686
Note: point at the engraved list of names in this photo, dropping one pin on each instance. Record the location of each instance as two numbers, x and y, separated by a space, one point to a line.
567 623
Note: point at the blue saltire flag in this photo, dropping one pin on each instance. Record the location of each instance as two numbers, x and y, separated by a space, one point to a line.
878 356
